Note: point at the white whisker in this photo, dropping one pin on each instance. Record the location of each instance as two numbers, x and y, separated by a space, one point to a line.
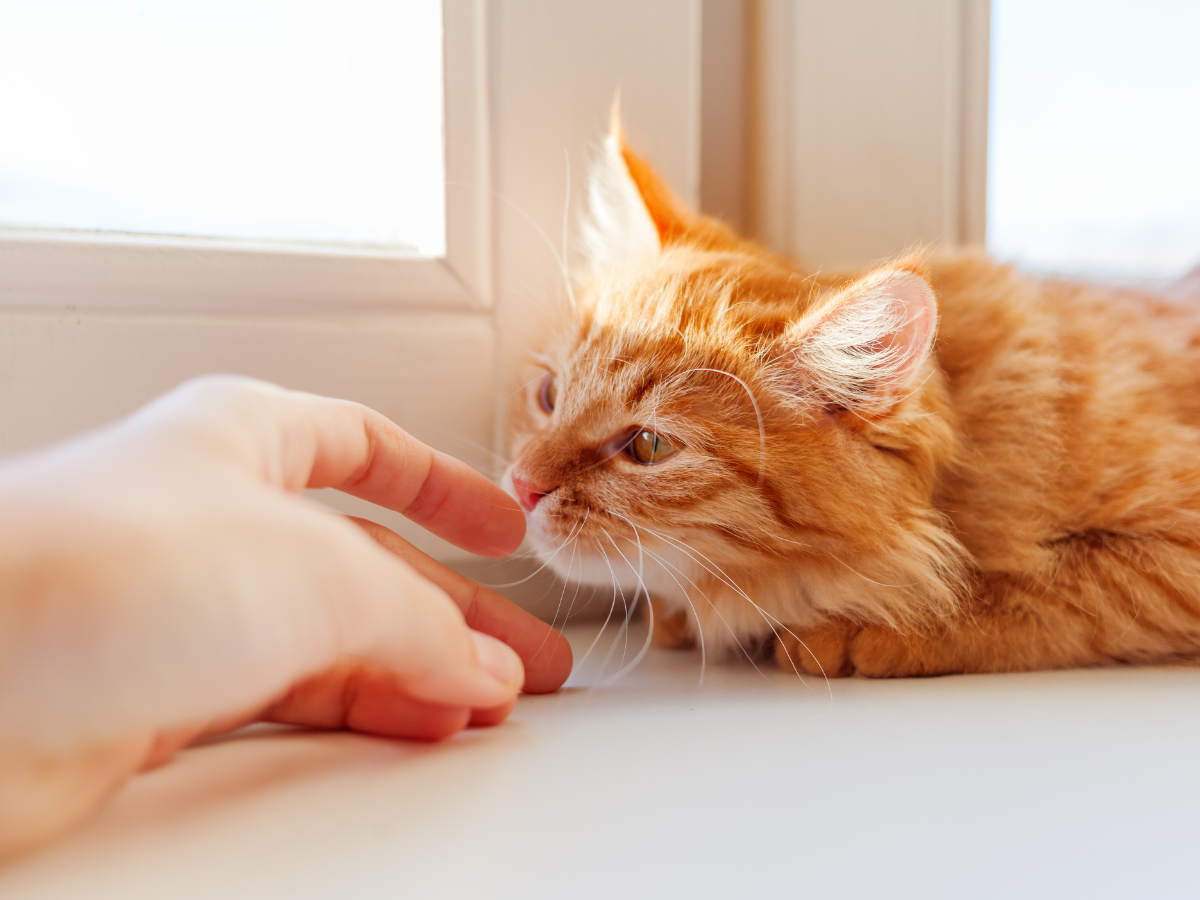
544 564
622 670
762 434
771 620
608 617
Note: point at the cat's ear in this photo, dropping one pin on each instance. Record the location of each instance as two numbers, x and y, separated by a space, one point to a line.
631 211
862 347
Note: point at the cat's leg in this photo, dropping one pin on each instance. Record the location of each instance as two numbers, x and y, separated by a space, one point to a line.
1120 600
672 630
839 647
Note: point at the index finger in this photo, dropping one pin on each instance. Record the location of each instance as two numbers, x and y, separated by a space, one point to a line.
304 440
359 451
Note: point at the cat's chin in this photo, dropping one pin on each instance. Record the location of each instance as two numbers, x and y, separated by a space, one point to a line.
590 568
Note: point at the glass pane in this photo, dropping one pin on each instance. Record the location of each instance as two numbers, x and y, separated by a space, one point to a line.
1095 136
295 120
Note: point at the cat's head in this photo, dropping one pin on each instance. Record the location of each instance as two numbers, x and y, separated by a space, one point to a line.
710 417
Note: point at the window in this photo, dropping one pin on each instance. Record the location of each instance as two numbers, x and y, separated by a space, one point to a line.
263 156
1095 137
318 121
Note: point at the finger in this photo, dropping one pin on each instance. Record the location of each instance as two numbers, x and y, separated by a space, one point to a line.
366 698
411 627
486 718
356 450
545 653
295 440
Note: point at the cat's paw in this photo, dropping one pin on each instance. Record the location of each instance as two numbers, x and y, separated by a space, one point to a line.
879 652
823 651
838 648
672 630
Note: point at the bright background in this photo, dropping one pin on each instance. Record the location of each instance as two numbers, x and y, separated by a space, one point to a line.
296 120
1094 162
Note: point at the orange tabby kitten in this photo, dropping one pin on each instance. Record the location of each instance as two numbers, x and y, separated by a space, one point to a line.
928 467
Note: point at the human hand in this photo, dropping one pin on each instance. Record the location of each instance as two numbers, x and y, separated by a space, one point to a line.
164 578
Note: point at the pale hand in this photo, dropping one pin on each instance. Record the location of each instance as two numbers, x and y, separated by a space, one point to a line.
164 579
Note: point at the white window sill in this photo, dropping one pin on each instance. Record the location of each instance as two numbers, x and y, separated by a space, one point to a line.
1053 784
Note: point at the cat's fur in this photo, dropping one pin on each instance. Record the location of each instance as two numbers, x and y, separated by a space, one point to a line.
939 465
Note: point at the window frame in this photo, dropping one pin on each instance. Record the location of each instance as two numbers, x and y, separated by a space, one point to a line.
96 270
814 193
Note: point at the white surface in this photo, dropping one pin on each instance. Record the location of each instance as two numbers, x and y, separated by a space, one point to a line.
1062 784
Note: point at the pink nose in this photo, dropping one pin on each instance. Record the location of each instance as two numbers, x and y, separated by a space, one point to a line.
528 494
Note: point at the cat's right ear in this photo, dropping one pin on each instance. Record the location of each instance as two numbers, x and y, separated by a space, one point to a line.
631 214
618 229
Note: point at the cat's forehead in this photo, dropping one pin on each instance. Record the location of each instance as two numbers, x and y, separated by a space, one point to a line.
615 353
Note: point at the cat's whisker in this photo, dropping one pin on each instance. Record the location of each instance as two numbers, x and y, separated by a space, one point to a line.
771 620
641 590
650 606
762 433
688 598
624 629
562 596
524 387
725 579
450 436
562 263
578 584
612 607
749 656
543 565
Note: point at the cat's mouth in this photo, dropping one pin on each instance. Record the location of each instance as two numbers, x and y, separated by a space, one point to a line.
582 545
598 547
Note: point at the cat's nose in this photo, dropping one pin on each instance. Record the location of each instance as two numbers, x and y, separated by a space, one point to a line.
528 494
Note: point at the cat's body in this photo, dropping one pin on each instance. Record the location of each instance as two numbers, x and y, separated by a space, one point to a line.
784 455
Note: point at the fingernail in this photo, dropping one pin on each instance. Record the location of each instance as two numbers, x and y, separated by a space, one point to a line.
499 660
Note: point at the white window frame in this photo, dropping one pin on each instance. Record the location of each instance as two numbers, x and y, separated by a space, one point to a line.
815 195
47 268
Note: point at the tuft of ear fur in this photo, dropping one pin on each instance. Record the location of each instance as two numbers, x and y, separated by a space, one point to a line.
618 229
860 347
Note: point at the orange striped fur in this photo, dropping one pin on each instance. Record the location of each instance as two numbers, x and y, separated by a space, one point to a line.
1021 493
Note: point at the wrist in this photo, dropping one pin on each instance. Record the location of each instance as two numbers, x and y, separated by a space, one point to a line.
41 795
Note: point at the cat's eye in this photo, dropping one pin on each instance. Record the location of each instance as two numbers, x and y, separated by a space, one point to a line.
649 448
548 393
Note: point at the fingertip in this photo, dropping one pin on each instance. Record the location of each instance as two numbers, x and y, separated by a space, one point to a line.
487 718
435 727
554 660
500 661
506 528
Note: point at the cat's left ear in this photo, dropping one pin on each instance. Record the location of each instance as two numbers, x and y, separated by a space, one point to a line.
631 213
862 347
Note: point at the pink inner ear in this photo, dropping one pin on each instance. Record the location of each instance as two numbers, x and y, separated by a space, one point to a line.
864 345
915 335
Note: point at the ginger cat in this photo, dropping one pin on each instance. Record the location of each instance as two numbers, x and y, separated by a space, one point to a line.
933 466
